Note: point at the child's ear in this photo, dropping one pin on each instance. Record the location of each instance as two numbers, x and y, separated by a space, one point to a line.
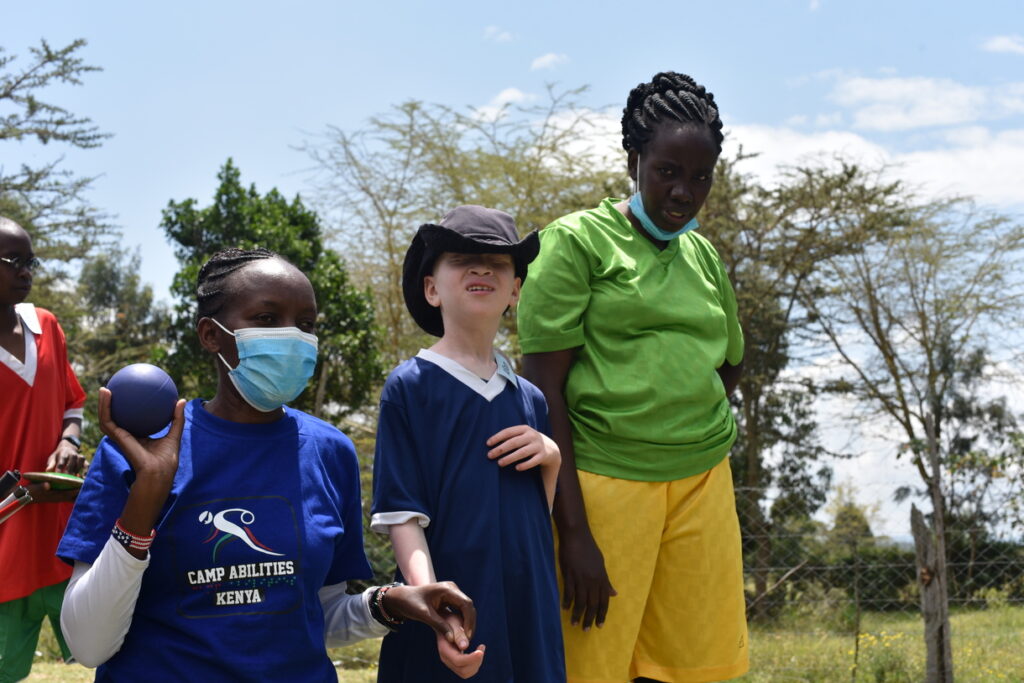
516 286
430 291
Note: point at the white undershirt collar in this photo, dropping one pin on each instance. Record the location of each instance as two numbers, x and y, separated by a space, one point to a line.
489 388
30 328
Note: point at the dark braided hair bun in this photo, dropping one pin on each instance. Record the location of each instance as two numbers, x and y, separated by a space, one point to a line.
212 284
669 96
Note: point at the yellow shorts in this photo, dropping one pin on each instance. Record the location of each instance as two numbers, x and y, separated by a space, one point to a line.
672 551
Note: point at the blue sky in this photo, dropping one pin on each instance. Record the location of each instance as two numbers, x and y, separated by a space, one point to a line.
932 86
935 88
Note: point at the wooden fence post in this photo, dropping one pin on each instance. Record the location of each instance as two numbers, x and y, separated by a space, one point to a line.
931 573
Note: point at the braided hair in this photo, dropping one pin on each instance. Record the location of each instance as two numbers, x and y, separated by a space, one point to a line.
212 285
669 96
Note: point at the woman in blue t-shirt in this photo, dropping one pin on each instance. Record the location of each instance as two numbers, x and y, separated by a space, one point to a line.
221 551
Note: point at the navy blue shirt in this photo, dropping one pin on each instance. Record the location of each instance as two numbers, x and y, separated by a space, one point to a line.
259 518
489 528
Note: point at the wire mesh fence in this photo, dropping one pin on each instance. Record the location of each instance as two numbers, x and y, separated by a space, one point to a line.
832 600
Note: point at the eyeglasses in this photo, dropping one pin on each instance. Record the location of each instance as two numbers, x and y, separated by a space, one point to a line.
16 262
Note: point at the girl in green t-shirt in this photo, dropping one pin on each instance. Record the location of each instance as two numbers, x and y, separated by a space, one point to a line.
628 325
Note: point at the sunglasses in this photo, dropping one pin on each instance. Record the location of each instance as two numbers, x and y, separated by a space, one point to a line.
16 262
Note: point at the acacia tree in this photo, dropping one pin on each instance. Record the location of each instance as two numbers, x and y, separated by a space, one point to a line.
418 161
774 242
46 198
348 364
904 316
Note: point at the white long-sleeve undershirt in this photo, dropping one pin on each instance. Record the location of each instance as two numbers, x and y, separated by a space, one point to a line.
100 600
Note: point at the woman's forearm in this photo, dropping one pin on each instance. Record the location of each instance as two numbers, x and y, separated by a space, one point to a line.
99 603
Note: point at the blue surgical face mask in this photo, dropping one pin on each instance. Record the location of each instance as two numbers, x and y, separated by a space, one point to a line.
636 206
274 364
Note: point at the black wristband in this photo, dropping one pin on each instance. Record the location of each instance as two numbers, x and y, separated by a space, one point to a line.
377 610
73 440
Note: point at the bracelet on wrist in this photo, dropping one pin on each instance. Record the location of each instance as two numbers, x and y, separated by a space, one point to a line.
377 610
130 540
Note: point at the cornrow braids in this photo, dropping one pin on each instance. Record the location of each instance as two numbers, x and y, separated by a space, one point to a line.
211 285
669 96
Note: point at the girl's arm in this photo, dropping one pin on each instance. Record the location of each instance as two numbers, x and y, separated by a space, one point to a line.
347 618
99 603
730 375
100 599
587 587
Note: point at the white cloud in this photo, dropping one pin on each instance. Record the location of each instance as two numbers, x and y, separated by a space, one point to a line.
496 34
601 141
972 160
1006 44
891 104
784 146
828 120
898 104
494 109
548 61
984 165
510 96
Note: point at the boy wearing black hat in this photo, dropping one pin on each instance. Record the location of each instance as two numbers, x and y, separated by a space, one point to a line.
464 474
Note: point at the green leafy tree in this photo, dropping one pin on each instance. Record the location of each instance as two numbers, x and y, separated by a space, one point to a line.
348 364
418 161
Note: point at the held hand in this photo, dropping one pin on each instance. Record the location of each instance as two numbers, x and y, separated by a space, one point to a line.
431 604
155 459
451 614
585 582
462 665
524 445
65 458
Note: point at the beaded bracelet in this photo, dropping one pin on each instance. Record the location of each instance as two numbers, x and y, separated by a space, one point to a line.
130 540
377 610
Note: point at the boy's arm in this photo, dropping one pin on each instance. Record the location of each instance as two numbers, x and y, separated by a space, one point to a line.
528 448
549 472
412 553
413 557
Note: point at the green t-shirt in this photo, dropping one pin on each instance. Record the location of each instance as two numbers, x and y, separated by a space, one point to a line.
652 326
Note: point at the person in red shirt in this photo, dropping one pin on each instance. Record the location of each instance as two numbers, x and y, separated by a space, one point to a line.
41 422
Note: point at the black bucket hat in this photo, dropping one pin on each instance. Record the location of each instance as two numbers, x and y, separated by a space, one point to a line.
464 230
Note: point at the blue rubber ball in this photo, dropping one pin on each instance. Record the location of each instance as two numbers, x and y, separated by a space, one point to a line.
142 398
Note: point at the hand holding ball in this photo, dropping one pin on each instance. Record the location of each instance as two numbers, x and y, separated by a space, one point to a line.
142 399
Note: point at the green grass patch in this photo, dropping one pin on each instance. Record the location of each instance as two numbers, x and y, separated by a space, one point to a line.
889 648
987 646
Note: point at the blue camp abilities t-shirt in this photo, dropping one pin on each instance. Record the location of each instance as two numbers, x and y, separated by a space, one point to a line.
259 518
489 527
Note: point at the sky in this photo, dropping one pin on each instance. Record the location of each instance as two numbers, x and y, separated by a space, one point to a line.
933 88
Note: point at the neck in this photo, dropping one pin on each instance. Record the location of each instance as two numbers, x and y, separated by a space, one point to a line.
623 208
229 405
8 318
473 349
